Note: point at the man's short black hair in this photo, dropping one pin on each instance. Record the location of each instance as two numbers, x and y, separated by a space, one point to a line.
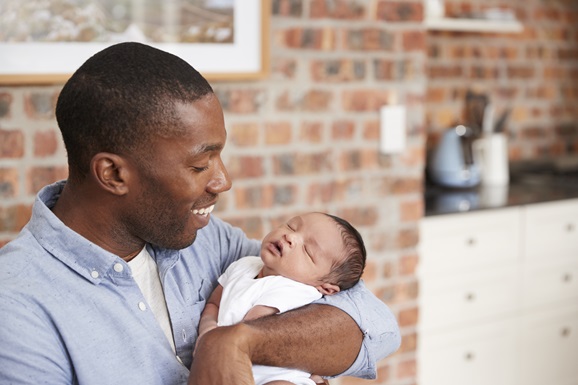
119 98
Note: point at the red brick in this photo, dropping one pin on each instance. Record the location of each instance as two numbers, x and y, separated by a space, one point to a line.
11 144
411 211
325 192
284 68
40 105
244 134
398 293
360 216
407 369
316 100
5 105
252 226
371 130
9 185
302 164
369 273
45 143
243 101
407 238
13 218
311 100
287 8
309 38
343 130
343 70
408 264
395 11
254 197
311 132
39 177
408 317
445 71
368 39
336 9
365 100
413 41
241 167
520 72
408 343
278 133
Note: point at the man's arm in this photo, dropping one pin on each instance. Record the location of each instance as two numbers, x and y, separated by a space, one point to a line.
316 338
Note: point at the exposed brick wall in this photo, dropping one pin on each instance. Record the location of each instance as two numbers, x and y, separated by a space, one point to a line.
535 73
305 138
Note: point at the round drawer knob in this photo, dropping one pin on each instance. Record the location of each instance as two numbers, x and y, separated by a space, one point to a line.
570 227
565 332
471 241
470 297
567 277
469 356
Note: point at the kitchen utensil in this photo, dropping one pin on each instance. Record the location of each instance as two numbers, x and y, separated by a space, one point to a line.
452 163
491 155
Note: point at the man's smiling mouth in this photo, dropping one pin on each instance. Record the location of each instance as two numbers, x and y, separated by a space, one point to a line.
204 211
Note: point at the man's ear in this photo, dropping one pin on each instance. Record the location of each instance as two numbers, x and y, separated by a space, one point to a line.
327 288
111 172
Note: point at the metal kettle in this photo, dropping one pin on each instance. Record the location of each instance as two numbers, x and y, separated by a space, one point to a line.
452 163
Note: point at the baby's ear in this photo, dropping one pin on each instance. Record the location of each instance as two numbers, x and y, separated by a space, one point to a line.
327 289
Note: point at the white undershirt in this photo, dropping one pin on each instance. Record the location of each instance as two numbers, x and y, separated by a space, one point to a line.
145 273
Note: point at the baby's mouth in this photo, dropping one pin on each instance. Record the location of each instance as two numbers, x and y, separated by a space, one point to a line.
279 247
204 211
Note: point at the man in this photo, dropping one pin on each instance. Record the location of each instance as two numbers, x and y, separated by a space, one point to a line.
106 283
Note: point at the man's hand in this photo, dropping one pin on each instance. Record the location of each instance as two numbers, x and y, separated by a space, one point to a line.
223 358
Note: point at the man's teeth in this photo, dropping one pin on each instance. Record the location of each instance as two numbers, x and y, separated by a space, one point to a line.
205 211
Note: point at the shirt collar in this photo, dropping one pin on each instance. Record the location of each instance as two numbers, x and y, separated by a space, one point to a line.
84 257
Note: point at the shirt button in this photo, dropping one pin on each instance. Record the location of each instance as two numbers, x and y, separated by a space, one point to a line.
142 306
118 267
94 274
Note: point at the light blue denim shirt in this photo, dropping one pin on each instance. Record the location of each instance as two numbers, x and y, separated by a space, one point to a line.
70 312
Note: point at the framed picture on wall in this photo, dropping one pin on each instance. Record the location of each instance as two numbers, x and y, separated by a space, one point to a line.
43 42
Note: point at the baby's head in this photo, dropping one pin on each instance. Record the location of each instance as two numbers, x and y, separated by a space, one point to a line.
317 249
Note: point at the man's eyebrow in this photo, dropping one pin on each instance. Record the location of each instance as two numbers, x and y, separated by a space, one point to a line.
204 148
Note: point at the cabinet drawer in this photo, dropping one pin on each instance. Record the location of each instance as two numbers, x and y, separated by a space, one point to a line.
545 283
461 300
477 356
551 230
549 345
467 242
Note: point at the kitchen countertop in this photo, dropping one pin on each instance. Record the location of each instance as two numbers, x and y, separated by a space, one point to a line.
525 188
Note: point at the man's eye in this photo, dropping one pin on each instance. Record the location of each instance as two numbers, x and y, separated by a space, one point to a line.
201 169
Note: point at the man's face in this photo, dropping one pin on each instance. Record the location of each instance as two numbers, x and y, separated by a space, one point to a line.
173 196
303 249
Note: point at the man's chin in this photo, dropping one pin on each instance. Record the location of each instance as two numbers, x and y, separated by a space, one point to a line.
179 244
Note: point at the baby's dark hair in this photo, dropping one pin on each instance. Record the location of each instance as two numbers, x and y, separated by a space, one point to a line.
347 271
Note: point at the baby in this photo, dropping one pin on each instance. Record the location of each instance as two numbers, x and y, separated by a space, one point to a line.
311 255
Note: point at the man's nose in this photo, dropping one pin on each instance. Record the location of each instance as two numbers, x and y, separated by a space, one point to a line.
220 181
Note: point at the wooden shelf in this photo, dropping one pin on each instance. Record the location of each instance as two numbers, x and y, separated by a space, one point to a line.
473 25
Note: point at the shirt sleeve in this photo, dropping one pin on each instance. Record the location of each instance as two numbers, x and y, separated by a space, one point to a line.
30 348
381 336
232 241
285 294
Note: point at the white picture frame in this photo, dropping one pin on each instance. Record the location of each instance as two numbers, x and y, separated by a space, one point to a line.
54 62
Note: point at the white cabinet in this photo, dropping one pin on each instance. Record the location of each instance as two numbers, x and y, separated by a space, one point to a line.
499 296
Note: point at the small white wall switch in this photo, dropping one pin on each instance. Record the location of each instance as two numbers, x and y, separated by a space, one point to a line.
392 129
